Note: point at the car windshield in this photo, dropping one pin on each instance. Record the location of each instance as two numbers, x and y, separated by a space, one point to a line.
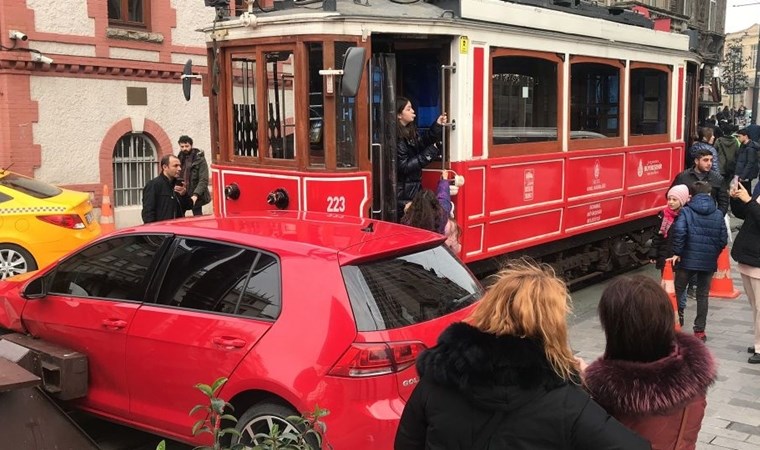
409 289
28 186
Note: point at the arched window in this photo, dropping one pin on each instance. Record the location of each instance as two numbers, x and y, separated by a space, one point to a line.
134 164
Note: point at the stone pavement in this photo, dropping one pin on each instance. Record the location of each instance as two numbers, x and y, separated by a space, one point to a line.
732 419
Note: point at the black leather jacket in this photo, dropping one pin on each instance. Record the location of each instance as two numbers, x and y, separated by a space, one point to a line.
412 155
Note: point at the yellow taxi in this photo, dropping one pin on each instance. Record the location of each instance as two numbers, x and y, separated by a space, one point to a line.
40 222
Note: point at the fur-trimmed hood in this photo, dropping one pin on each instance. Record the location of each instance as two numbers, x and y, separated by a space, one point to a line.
494 372
627 388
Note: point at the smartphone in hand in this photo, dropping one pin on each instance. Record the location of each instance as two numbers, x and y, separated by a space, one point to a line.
734 183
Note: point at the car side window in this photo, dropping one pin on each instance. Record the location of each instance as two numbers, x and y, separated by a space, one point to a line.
114 269
217 277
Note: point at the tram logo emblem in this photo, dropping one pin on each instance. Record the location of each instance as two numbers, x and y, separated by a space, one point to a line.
529 179
597 169
640 170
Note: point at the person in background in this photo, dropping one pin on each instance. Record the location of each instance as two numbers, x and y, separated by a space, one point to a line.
432 211
727 147
705 142
194 174
699 235
506 378
164 197
746 252
414 151
662 244
651 378
746 159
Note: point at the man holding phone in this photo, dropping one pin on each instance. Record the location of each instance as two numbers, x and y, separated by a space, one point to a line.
164 197
194 173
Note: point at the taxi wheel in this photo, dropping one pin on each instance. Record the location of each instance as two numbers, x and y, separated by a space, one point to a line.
15 260
257 422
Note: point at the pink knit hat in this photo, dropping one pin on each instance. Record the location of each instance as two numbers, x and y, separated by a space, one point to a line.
681 192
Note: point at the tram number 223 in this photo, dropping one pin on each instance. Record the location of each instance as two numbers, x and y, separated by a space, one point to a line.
336 204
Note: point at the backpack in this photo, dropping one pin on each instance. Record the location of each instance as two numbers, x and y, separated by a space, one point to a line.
726 146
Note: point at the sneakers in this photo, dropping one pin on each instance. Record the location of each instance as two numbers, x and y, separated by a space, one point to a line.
754 359
703 337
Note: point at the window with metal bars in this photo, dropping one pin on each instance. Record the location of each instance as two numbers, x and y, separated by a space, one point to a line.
134 164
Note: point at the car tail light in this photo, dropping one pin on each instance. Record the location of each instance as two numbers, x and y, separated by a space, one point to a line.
72 221
366 360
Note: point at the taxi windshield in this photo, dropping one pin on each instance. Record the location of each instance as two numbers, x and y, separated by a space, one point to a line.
29 186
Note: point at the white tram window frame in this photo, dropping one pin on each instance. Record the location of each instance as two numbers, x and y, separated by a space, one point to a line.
134 164
557 132
583 140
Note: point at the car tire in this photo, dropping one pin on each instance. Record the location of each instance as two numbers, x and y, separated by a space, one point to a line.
259 419
15 260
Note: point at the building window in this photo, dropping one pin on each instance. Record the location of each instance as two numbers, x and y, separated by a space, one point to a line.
134 164
131 13
713 16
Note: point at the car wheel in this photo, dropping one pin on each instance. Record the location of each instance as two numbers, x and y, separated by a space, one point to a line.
15 260
259 419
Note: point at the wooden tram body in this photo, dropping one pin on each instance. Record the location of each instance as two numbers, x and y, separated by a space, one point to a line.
567 129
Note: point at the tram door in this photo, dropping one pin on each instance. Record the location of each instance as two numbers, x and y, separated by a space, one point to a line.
383 126
412 70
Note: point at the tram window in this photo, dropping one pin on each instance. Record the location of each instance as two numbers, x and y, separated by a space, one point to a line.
316 106
649 101
345 120
594 101
524 91
280 103
245 122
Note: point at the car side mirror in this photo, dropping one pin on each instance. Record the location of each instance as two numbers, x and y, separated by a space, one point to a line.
34 289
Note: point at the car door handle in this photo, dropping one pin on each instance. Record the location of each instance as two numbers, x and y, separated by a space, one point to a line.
114 323
228 342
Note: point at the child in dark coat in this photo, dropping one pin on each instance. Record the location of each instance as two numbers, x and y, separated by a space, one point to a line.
699 235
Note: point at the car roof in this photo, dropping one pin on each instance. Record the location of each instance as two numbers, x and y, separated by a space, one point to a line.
302 232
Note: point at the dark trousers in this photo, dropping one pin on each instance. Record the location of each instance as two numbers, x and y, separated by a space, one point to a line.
703 292
198 211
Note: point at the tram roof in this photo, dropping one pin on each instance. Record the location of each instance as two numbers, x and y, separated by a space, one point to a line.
585 19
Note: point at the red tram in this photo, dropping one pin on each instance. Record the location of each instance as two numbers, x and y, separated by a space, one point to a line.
567 124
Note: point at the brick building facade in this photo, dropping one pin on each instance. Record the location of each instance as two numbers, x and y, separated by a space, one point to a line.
110 102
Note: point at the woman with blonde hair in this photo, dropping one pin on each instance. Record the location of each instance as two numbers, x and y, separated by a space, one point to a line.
507 378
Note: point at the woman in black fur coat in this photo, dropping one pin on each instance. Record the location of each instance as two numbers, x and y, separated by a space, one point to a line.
507 379
650 378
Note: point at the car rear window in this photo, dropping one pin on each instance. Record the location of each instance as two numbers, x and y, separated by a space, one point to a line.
29 186
409 289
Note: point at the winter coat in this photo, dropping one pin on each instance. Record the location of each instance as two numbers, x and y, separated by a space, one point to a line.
662 246
702 145
195 162
727 146
719 193
471 375
746 161
412 155
699 234
746 248
160 202
663 400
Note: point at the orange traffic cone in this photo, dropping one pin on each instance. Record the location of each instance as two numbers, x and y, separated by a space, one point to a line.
106 212
722 286
668 284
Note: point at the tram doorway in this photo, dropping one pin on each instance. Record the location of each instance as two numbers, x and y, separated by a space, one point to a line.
402 67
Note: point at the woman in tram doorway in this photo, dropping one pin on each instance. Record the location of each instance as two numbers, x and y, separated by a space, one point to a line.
413 151
651 378
506 378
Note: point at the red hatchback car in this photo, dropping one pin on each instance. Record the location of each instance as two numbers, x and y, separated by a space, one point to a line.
296 309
